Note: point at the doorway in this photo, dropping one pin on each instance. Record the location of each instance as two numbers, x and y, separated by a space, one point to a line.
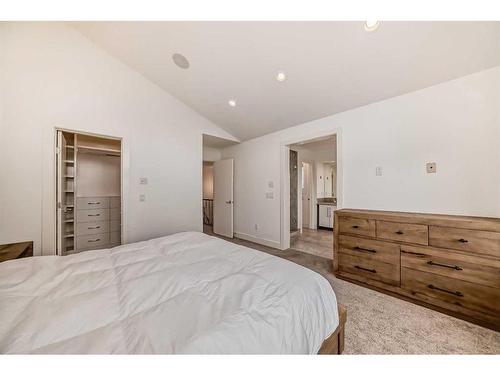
88 192
316 195
217 188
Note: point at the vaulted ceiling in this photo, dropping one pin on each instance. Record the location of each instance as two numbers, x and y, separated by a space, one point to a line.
330 66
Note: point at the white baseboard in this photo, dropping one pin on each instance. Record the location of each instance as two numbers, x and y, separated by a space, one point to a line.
260 241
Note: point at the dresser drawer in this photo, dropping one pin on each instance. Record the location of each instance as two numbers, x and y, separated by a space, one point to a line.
114 202
352 225
89 203
451 292
372 249
85 216
473 241
452 264
92 241
370 269
404 232
83 229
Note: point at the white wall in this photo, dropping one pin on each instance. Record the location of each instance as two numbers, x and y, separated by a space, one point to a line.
51 76
211 153
456 124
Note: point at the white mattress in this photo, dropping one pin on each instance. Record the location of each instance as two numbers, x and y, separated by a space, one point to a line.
185 293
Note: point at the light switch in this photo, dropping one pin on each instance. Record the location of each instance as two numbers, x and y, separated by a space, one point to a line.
378 171
142 198
143 181
270 184
431 167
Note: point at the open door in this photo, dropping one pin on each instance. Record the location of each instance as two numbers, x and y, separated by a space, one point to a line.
306 195
223 197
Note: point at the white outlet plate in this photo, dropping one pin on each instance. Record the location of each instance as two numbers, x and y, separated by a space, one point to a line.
378 171
270 195
143 181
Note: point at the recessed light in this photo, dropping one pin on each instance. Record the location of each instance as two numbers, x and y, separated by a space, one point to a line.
232 103
281 76
371 25
180 60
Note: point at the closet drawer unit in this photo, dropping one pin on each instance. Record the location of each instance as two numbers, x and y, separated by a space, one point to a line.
115 226
114 202
85 216
449 292
371 249
471 241
98 227
92 241
352 225
115 214
89 203
452 264
403 232
115 238
369 269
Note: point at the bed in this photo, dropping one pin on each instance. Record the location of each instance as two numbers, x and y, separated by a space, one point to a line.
185 293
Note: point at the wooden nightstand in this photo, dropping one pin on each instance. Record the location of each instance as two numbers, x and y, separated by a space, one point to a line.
16 250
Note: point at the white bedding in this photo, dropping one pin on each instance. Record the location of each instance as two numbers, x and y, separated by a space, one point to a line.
185 293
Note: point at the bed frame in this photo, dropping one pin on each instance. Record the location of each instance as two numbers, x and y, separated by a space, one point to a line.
334 344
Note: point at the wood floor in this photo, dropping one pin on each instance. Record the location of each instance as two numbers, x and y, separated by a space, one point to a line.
381 324
316 242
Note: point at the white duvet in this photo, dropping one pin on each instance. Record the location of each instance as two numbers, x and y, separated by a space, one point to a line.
185 293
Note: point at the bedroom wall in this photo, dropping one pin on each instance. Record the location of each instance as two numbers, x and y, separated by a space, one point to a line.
455 124
51 76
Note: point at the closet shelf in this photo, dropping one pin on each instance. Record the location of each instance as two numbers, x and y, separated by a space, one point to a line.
70 146
69 221
99 150
69 235
67 176
69 191
69 161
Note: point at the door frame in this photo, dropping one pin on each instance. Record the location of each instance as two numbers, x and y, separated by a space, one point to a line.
285 177
123 206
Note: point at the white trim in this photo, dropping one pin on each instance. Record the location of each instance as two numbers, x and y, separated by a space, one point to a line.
261 241
285 176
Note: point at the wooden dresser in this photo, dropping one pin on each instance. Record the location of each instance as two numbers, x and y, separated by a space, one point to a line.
448 263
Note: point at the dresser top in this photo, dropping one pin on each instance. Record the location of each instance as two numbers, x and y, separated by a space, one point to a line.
456 221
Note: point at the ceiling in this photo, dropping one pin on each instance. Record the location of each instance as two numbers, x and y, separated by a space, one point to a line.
330 66
216 142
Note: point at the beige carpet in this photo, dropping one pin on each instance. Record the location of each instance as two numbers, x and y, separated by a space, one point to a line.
380 324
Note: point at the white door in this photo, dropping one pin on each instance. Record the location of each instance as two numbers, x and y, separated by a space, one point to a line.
59 188
306 195
223 197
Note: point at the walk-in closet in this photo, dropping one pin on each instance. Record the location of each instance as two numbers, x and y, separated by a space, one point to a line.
88 187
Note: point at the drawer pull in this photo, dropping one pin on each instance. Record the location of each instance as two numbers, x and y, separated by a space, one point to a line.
94 227
96 240
363 249
463 240
365 269
355 226
94 215
400 232
431 263
93 202
458 294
